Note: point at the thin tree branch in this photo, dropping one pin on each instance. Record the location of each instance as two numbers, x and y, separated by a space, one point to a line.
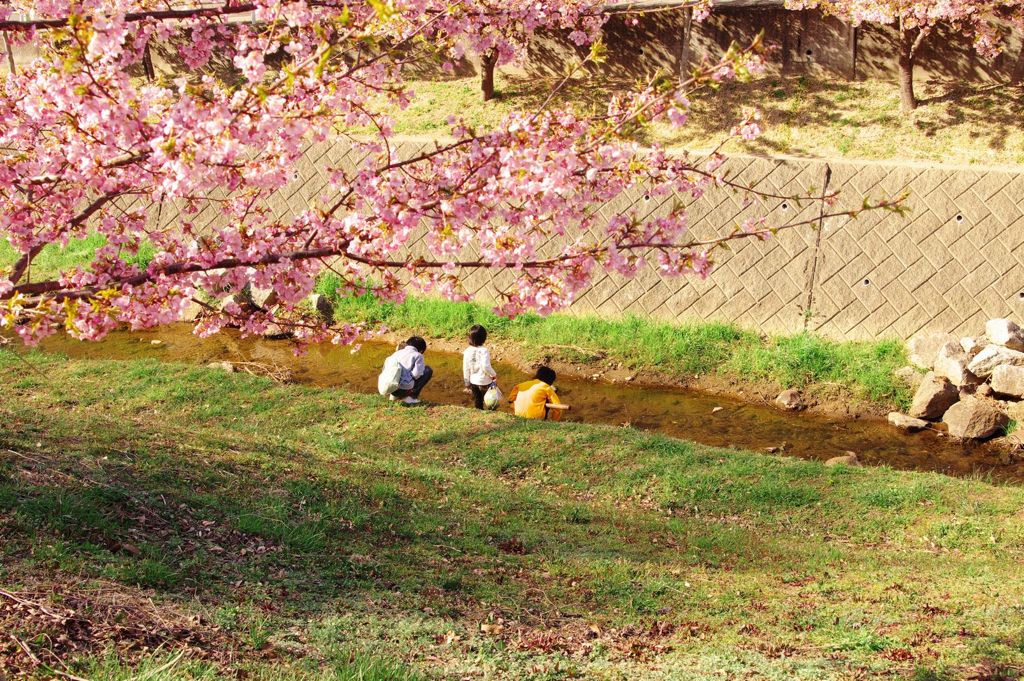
24 261
59 293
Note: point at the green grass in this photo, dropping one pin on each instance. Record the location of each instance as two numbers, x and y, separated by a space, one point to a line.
286 532
795 361
339 667
803 116
55 259
864 370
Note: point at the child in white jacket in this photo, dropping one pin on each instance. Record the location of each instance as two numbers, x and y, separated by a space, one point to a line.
477 373
415 372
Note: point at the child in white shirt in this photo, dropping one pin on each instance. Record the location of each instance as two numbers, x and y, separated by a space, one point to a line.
477 373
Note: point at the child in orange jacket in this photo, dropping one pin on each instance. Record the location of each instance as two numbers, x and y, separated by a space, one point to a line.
530 399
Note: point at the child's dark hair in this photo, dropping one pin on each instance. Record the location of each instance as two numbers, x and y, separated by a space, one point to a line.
418 343
545 374
477 335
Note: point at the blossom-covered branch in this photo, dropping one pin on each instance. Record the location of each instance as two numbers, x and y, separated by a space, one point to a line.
88 145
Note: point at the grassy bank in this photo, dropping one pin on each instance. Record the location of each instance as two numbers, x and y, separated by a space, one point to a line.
805 361
55 259
803 115
186 523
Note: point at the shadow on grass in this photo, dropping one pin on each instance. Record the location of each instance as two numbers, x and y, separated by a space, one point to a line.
993 112
224 511
808 116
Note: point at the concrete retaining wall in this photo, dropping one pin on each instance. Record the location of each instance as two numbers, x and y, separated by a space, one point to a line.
954 262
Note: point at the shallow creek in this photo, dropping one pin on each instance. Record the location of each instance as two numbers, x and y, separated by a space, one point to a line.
685 414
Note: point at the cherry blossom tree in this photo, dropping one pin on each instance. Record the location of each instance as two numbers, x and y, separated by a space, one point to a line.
90 146
503 30
916 20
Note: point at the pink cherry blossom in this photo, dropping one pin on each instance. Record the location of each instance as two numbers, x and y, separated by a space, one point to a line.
89 145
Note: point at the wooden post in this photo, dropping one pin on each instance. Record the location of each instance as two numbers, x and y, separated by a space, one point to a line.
812 274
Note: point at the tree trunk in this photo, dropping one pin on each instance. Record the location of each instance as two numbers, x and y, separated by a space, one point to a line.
487 64
10 55
908 102
147 63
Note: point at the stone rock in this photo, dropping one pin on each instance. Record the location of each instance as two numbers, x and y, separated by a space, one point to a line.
907 423
1006 333
992 356
974 419
951 362
193 312
925 346
971 346
277 332
1015 411
227 367
1008 380
789 399
323 306
910 376
848 459
933 398
243 299
715 410
984 390
263 298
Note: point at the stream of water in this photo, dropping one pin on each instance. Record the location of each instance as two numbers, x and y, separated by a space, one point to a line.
685 414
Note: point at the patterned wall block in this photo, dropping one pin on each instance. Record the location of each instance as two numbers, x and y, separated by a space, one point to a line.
956 260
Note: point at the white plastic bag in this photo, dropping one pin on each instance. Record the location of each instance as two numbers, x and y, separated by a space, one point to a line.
493 397
390 376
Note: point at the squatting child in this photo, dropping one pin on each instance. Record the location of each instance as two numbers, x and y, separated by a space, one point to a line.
533 399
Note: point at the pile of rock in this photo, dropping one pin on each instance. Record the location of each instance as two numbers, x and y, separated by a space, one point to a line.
974 385
252 299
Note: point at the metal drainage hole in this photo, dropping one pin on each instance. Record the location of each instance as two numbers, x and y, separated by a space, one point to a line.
647 197
866 282
810 52
784 206
1021 295
959 218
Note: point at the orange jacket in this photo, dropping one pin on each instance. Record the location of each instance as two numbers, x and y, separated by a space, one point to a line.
530 397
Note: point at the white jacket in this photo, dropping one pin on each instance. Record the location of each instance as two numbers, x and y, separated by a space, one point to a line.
413 366
476 366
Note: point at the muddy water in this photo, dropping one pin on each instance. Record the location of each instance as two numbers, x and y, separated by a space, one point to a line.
684 414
